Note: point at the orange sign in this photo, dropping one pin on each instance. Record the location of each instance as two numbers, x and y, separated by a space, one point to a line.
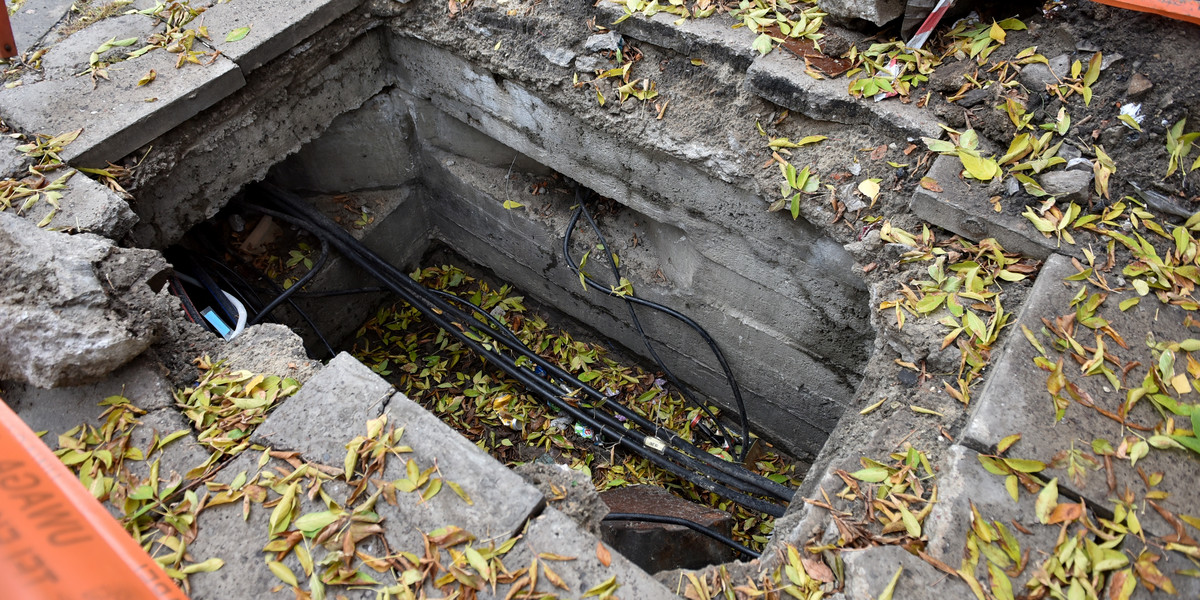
1184 10
56 540
8 43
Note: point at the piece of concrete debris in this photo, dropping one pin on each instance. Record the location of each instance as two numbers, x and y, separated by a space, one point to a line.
561 57
603 41
1138 85
1068 185
86 206
590 63
270 348
72 308
1035 77
569 491
879 12
658 547
12 162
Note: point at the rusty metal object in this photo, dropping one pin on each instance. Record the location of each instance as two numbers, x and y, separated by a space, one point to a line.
658 547
8 43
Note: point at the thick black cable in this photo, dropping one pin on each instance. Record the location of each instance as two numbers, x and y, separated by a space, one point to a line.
433 309
280 299
346 292
277 290
748 479
630 300
694 526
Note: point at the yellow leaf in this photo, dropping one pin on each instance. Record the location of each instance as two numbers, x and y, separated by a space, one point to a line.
891 586
1046 501
283 572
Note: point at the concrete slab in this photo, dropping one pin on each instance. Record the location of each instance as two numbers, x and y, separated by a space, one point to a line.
116 116
555 533
1015 400
35 19
710 38
965 209
869 571
86 207
270 348
223 533
502 501
71 55
962 481
780 78
275 27
12 163
328 411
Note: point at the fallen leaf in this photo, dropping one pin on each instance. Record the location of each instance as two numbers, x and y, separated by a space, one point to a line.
237 34
603 554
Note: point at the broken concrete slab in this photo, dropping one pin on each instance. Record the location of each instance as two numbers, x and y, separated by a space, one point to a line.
879 12
780 78
35 18
269 348
1015 400
711 38
86 206
12 162
223 533
569 491
553 532
117 115
341 161
329 410
964 208
501 501
1072 185
963 482
66 320
274 27
71 56
869 571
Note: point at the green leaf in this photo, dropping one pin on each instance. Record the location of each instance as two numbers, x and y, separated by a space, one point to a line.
283 572
237 34
313 522
1046 501
603 589
871 474
1025 465
910 522
890 590
763 44
207 566
983 169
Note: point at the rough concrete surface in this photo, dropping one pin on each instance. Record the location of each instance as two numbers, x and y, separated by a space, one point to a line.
274 27
780 78
86 207
963 207
269 348
568 491
501 501
118 118
78 325
329 410
1015 400
35 19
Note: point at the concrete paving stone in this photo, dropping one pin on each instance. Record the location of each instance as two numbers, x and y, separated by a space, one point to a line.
965 209
143 381
269 348
713 37
962 481
552 532
330 409
275 27
869 571
179 456
1015 399
86 207
780 78
223 533
69 56
879 12
115 116
502 501
12 163
35 19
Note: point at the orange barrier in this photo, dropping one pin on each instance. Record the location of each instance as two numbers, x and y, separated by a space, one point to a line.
1184 10
56 540
8 43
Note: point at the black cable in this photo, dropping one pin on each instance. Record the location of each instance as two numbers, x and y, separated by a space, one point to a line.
630 300
694 526
189 309
247 293
280 299
291 302
434 309
345 292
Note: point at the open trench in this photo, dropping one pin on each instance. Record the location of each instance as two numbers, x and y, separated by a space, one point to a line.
451 157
